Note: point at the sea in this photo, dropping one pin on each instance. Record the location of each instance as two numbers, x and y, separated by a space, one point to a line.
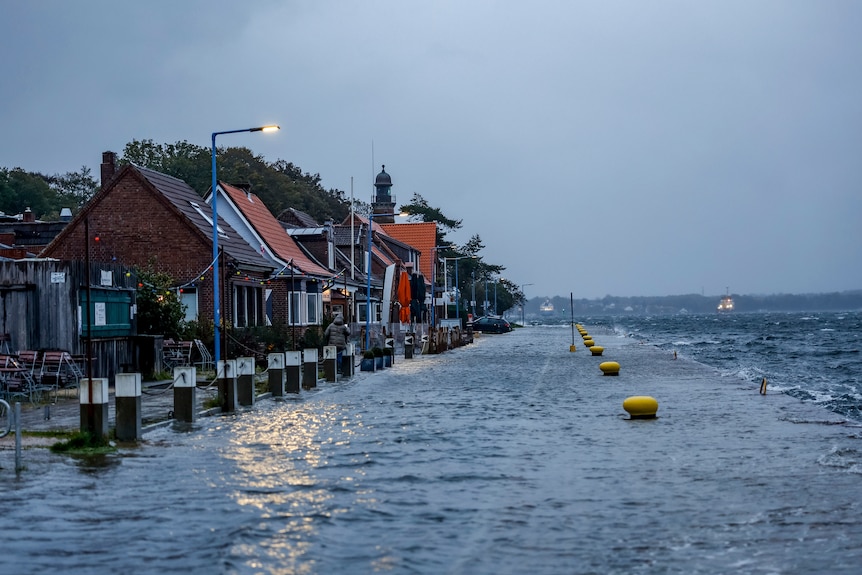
510 455
816 357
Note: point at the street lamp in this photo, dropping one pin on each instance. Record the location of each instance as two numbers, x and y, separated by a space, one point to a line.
433 281
523 303
457 307
216 303
368 274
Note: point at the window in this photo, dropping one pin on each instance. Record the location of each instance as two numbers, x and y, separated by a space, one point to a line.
208 218
294 316
376 308
313 306
189 299
248 306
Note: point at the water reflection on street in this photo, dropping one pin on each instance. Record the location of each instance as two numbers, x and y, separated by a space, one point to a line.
511 455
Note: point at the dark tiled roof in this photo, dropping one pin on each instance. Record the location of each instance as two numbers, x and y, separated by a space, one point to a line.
296 219
184 198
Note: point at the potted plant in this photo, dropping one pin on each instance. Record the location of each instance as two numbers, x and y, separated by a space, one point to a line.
378 357
367 363
388 353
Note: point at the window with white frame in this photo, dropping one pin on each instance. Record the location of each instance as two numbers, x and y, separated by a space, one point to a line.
375 311
313 308
189 300
294 315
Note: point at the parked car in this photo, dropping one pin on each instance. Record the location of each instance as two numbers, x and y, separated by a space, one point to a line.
491 325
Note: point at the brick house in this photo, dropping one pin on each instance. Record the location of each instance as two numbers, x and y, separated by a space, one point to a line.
145 219
294 291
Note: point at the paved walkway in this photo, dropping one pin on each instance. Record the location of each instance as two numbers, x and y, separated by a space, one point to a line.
64 413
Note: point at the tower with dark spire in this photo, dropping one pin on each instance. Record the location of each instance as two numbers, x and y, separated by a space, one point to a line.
384 201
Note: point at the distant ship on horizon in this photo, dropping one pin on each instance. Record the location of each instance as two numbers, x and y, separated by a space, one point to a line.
726 303
547 307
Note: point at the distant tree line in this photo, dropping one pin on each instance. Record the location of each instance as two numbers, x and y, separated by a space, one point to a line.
698 304
44 194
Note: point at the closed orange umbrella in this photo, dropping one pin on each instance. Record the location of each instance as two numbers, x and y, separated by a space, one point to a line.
404 297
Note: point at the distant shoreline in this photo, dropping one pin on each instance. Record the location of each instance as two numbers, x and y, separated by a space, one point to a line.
698 304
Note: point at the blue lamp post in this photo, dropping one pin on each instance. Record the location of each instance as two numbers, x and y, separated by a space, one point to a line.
368 286
457 306
368 275
216 302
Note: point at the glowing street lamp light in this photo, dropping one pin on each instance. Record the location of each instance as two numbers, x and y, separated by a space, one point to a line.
216 303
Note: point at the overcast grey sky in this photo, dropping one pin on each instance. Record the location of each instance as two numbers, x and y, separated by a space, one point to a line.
601 147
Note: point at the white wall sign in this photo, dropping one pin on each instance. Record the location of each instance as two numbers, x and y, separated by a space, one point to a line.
101 317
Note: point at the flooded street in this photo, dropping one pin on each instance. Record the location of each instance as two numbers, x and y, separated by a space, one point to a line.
510 455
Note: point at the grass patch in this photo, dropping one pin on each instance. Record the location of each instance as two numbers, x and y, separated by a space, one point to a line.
84 442
212 402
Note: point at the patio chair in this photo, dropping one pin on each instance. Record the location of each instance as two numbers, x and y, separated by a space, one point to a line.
206 362
59 370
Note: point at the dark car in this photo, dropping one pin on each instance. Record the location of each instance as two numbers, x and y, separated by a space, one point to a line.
491 325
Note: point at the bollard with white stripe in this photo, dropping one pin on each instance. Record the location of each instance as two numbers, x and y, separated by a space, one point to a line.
408 345
94 405
330 363
245 391
293 370
127 395
226 375
389 344
275 371
309 368
348 361
185 393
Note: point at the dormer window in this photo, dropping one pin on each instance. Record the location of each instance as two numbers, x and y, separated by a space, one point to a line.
208 218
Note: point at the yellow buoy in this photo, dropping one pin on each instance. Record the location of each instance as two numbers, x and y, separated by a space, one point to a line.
585 335
589 342
610 368
641 406
597 350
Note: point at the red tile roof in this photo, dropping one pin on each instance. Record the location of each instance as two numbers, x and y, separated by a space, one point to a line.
271 231
420 235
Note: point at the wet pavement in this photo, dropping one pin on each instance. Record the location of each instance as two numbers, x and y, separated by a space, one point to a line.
510 455
63 413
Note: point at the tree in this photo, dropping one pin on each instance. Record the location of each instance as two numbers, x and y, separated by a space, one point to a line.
420 211
280 185
160 311
20 190
73 189
44 195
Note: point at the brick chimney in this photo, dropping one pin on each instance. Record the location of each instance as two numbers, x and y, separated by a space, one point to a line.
109 167
28 216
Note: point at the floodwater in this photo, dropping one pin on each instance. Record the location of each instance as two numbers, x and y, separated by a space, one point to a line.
510 455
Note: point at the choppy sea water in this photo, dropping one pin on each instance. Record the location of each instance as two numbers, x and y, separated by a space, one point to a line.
510 455
816 357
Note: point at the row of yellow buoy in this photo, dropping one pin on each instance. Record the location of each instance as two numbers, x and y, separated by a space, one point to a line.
637 406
